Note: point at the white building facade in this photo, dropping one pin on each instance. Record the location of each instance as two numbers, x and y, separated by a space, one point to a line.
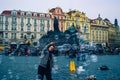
18 26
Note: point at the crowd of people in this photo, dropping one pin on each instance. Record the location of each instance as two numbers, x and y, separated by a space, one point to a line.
24 49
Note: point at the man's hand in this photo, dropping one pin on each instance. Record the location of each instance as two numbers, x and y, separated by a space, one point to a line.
52 43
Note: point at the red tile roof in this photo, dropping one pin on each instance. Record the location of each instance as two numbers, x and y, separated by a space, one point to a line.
8 12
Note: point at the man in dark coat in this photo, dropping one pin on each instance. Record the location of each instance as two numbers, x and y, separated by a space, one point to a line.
46 62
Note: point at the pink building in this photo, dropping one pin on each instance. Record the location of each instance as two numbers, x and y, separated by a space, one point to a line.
59 14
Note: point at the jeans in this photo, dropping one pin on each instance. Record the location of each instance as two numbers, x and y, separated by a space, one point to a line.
44 71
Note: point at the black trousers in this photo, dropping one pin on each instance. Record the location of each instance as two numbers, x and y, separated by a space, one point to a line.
44 71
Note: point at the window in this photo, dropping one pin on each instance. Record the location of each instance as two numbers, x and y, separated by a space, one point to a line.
68 24
35 21
35 28
35 35
42 21
29 14
13 27
92 35
28 20
22 20
48 23
22 28
35 14
0 18
14 13
41 27
6 27
22 36
42 15
22 13
1 27
28 28
6 19
103 35
97 35
6 35
13 19
13 35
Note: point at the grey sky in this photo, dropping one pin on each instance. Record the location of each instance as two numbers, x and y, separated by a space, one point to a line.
106 8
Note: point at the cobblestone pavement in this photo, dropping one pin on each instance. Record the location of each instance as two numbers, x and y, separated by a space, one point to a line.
25 68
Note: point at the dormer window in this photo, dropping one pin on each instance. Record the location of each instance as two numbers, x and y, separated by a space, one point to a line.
22 13
28 14
42 15
14 13
35 14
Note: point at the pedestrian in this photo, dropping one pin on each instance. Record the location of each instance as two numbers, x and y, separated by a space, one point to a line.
83 55
46 62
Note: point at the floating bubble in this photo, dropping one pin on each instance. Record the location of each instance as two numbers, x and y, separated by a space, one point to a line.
94 58
86 63
67 65
9 71
37 77
17 77
35 66
55 59
11 76
4 77
80 69
12 58
55 69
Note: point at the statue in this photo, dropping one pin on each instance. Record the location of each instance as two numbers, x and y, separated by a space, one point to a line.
72 28
56 28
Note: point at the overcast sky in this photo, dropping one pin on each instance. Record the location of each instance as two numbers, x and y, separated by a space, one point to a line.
106 8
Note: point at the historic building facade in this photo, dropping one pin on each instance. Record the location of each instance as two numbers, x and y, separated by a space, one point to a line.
117 32
99 31
59 14
117 38
17 25
20 26
81 23
111 32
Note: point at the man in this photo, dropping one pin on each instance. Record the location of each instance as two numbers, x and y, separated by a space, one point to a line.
46 62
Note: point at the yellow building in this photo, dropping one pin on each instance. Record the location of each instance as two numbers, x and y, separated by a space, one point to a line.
81 23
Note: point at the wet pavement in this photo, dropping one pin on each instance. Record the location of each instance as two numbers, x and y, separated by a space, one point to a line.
25 68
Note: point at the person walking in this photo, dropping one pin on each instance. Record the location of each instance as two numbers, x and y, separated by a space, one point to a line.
46 62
